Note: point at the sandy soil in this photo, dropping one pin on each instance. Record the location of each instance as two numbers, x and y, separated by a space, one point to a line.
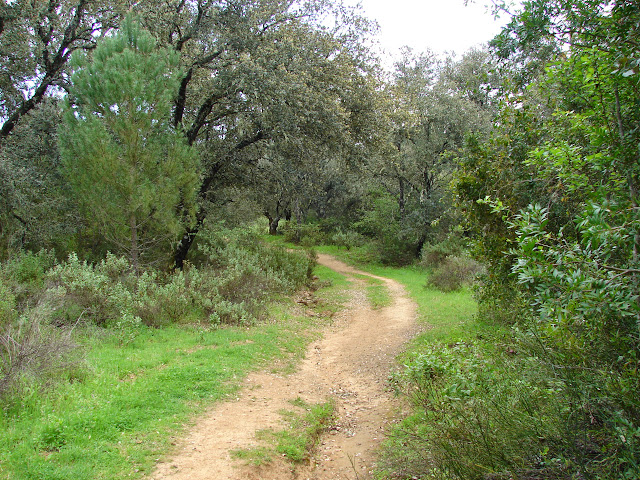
350 364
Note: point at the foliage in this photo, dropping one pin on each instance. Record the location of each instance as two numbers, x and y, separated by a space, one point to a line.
231 289
305 234
130 170
347 239
553 200
585 310
241 250
37 40
7 305
267 85
454 272
394 244
433 104
433 255
23 275
34 206
237 276
450 266
480 415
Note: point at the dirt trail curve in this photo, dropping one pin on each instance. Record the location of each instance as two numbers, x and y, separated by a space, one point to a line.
350 364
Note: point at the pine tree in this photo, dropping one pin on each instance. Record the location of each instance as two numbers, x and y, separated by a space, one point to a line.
131 171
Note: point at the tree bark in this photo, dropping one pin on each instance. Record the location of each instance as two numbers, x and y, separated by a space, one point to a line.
182 250
273 224
135 253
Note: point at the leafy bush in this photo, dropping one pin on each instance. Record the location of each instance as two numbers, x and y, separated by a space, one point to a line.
306 234
454 272
397 242
89 291
480 415
230 288
7 304
583 306
24 275
348 239
434 254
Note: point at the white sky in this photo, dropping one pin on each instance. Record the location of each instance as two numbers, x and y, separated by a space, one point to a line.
440 25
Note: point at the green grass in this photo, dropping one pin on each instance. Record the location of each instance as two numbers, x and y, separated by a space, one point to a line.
334 285
303 426
448 317
377 292
118 418
255 455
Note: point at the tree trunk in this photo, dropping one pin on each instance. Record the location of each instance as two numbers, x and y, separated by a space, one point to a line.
189 235
186 241
135 254
401 199
273 224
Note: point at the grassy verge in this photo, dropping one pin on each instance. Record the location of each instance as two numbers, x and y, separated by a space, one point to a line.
120 415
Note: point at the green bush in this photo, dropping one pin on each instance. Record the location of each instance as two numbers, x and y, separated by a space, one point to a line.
242 251
453 273
24 275
482 413
7 304
230 286
434 254
305 234
89 292
396 241
348 239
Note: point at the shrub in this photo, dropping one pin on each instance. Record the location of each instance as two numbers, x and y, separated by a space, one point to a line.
434 255
482 413
231 285
29 267
396 238
453 273
33 353
24 275
307 235
347 239
241 251
88 291
7 304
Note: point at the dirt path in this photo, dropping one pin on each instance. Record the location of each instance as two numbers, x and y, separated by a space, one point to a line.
350 364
